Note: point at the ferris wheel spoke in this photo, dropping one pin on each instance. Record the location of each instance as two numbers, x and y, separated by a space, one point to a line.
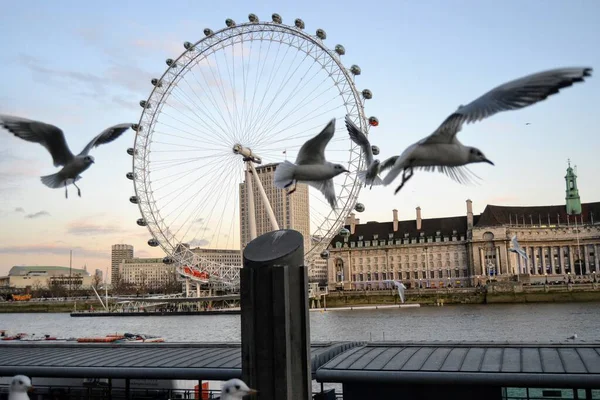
194 215
256 116
194 139
256 81
284 80
293 93
294 110
188 201
212 99
163 167
199 105
299 122
182 188
215 127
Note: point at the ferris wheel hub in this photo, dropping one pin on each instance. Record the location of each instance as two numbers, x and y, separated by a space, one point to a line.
246 153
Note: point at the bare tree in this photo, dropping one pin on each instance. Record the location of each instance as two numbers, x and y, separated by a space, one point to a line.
96 281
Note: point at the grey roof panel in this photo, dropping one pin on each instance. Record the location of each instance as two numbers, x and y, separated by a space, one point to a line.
473 360
455 359
138 360
460 363
436 359
591 359
531 360
511 360
492 360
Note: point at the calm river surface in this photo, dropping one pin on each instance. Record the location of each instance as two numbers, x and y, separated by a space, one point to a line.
514 323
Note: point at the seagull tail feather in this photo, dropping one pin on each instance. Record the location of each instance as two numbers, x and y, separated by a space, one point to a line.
53 181
284 175
362 176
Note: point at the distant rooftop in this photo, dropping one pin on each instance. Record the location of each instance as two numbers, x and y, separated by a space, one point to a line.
528 215
45 270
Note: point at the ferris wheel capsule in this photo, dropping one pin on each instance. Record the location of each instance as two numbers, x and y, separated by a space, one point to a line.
341 50
208 32
134 199
171 63
130 176
136 127
344 232
230 23
153 242
168 260
188 46
359 207
373 121
325 254
375 150
299 23
141 222
276 18
355 70
144 104
321 34
253 18
156 82
131 151
367 94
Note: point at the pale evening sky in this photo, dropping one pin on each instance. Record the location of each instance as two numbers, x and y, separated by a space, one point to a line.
85 65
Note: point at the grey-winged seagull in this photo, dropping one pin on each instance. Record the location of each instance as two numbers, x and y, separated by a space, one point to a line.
370 176
53 139
442 151
311 167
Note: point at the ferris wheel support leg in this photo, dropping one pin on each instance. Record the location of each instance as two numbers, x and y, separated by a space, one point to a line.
187 287
265 199
250 196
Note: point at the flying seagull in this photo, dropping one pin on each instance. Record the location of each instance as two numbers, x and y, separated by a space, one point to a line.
53 139
516 248
311 167
19 386
235 389
370 176
401 288
442 151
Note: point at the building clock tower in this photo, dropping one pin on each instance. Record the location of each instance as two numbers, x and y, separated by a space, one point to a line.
572 198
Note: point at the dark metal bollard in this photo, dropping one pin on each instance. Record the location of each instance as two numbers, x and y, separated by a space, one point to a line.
275 324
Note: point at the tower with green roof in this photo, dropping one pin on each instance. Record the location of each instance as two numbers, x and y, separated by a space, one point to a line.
572 199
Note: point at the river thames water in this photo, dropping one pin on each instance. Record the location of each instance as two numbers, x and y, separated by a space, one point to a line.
512 323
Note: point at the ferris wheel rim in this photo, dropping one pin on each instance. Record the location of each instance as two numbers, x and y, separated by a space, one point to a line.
142 185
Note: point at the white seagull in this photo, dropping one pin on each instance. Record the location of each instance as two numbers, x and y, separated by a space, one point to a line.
19 386
516 248
311 167
442 151
401 288
235 389
370 176
53 139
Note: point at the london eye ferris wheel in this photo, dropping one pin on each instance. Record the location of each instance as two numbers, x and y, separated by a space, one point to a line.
242 97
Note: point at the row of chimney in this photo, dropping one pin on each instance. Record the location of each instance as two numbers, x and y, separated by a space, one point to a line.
353 221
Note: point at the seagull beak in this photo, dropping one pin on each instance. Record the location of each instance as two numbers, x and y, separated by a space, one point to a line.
345 170
252 391
31 389
487 161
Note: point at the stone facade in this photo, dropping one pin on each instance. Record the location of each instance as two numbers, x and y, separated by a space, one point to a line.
469 250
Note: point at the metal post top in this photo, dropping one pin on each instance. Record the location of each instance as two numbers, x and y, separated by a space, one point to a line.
273 245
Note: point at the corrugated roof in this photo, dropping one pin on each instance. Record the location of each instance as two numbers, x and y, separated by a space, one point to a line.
502 364
219 361
526 215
